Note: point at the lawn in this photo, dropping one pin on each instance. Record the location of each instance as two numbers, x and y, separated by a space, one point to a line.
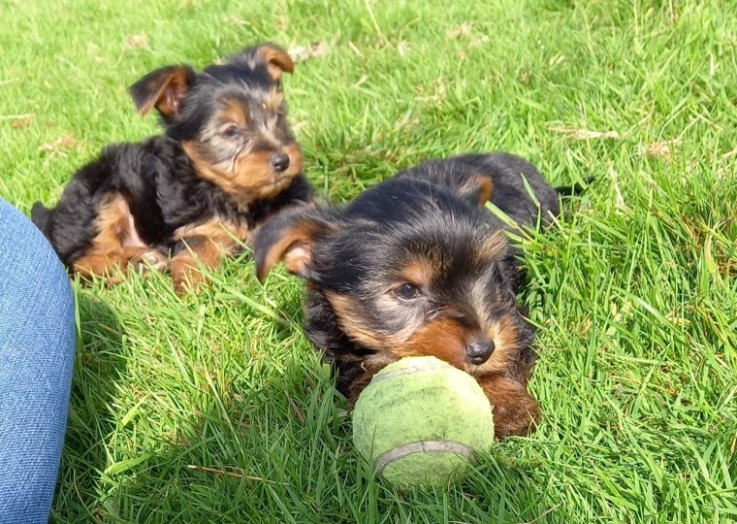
214 407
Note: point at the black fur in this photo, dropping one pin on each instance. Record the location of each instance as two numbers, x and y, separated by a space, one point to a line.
164 193
162 185
418 201
429 212
510 176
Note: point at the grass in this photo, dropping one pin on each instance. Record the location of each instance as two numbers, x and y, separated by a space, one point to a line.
214 407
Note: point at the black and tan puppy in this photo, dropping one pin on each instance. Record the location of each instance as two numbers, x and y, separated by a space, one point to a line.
226 162
418 266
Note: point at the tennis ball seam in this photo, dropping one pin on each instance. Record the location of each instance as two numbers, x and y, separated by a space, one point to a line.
422 446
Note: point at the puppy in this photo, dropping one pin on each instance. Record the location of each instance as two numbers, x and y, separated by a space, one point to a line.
226 162
418 266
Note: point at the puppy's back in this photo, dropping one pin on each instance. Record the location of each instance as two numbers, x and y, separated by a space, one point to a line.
510 176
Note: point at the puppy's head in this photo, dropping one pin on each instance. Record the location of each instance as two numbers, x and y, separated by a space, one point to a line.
231 120
409 268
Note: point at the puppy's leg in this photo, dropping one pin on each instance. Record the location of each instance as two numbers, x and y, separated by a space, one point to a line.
515 410
357 386
143 259
203 244
364 372
116 244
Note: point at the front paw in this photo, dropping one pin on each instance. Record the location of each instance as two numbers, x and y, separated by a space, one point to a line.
148 261
186 278
516 412
516 420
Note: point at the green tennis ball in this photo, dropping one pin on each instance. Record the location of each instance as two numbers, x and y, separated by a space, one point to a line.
420 421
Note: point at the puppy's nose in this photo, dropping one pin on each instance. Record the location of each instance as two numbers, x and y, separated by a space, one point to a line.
280 161
479 350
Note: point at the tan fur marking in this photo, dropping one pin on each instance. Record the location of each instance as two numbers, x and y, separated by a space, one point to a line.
208 243
293 248
213 228
354 325
515 411
234 112
278 61
485 188
360 329
205 169
116 244
418 272
166 92
443 338
253 177
493 248
273 100
296 160
478 184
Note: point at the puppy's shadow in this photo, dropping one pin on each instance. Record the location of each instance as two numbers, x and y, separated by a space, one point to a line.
225 463
98 367
279 300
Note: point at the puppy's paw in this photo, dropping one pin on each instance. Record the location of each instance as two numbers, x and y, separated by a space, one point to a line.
149 260
516 412
186 278
516 419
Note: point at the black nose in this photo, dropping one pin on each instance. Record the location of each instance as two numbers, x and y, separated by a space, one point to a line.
280 161
480 350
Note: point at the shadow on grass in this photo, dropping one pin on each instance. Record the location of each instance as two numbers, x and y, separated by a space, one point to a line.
98 367
278 453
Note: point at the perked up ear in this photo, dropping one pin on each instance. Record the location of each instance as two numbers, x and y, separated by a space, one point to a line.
276 59
476 189
289 237
163 89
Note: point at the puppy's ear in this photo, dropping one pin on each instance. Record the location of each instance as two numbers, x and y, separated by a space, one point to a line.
163 89
476 188
290 237
277 60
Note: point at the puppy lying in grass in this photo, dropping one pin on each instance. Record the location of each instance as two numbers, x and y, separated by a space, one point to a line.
226 161
417 266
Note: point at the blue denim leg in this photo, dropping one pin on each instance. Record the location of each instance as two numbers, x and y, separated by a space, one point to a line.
37 340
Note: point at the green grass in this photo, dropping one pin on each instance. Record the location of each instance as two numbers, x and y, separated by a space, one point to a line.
214 407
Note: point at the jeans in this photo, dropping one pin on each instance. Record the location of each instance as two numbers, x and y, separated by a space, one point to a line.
37 341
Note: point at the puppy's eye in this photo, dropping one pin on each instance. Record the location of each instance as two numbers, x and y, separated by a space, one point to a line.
230 131
407 292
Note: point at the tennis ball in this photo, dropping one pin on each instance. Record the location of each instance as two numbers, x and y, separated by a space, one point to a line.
420 421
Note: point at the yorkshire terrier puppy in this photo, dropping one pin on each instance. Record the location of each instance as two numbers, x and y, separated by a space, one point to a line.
226 161
417 266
